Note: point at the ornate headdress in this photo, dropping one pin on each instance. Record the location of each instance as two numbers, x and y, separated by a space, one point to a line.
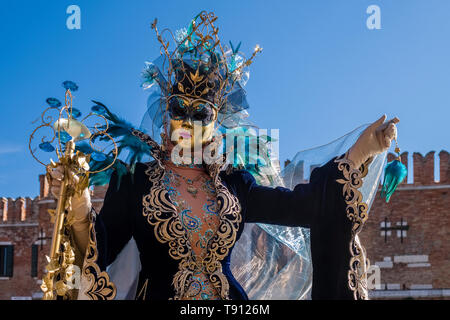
198 66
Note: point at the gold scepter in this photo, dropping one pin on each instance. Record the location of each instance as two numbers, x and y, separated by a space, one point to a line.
62 256
60 268
56 239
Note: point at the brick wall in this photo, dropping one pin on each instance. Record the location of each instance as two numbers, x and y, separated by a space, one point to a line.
417 257
18 227
24 222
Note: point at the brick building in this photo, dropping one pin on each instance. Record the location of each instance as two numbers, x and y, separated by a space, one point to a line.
408 238
25 239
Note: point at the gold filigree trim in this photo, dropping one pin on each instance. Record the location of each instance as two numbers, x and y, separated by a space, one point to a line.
143 292
101 288
162 215
155 148
357 213
364 168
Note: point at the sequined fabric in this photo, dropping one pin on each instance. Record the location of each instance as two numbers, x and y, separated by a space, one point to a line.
192 191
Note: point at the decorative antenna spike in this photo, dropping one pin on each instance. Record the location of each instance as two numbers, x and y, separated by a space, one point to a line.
154 23
238 47
232 47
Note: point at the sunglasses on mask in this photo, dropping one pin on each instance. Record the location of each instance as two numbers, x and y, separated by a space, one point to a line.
182 109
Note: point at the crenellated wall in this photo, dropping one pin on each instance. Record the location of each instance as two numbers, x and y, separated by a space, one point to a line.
21 209
16 210
423 167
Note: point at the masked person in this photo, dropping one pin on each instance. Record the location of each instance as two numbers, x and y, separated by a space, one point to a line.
168 228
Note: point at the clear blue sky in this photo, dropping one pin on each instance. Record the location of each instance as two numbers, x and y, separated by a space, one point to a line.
322 72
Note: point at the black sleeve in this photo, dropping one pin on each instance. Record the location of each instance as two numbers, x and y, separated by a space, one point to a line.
320 205
297 207
113 226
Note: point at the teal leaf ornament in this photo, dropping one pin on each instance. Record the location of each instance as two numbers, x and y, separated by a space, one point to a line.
394 173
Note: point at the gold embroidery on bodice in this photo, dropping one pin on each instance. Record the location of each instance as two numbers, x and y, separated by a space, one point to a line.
162 214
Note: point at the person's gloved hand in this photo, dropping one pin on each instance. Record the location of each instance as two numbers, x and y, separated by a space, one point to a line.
374 140
81 204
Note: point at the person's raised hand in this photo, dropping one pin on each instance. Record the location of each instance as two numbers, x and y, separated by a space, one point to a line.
374 140
81 204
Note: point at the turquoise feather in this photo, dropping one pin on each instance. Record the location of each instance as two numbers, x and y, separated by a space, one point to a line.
120 130
253 162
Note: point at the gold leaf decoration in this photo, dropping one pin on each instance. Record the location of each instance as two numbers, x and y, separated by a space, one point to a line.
52 213
196 77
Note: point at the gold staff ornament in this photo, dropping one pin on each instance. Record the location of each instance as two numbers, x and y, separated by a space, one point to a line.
66 132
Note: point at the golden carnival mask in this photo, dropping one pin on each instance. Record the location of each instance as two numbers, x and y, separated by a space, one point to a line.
192 121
